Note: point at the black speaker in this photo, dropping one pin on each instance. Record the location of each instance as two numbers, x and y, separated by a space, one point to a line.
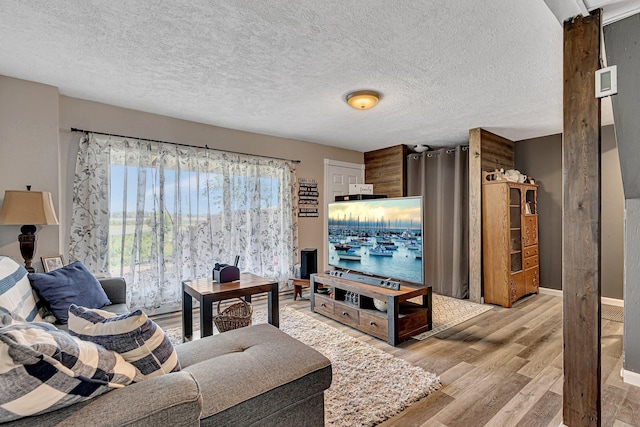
308 262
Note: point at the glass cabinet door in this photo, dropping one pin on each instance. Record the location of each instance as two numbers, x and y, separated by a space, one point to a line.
515 229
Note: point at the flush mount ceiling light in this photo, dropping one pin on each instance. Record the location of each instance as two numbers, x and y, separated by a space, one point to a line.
363 99
420 148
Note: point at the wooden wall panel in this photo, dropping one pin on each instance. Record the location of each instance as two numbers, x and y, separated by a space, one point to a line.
386 170
581 223
497 152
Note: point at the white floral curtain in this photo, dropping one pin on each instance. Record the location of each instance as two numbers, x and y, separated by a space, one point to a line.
158 213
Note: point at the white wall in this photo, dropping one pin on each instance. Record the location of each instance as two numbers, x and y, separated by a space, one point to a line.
29 156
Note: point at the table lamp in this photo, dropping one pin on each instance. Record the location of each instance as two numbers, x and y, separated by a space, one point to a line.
31 208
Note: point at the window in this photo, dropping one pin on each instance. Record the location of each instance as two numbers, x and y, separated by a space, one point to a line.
173 211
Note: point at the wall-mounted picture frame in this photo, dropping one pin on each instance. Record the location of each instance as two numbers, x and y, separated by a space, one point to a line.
50 263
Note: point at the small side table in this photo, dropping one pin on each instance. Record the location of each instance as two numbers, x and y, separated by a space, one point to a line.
298 284
206 291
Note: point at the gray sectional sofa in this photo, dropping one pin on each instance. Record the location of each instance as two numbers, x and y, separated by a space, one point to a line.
253 376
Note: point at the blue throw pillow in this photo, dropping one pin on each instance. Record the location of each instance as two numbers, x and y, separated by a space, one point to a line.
71 284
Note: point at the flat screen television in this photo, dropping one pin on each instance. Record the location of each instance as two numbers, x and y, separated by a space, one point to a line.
379 237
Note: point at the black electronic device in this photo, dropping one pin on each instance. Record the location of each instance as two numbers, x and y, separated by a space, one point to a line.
308 262
369 280
223 273
359 197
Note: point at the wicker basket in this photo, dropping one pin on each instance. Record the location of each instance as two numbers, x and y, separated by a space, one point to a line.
235 316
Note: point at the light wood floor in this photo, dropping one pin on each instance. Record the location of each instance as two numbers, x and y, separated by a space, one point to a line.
502 368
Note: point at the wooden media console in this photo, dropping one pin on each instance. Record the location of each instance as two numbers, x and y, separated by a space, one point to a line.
402 320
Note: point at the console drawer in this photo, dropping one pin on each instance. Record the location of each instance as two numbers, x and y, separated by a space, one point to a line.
377 326
346 313
322 304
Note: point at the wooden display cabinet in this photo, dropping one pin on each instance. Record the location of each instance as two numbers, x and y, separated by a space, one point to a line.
402 320
509 240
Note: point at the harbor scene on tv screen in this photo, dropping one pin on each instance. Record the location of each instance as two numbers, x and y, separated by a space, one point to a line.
381 237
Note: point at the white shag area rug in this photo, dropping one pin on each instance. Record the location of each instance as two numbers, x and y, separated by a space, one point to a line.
369 385
448 312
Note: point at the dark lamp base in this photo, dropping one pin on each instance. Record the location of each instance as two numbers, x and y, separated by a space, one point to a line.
28 241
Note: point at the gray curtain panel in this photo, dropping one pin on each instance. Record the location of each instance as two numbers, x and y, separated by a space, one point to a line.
441 178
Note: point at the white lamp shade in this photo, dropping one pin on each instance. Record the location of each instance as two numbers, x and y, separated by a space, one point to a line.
27 207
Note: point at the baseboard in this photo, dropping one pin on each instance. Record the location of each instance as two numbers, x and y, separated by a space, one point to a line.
612 301
603 300
630 377
549 291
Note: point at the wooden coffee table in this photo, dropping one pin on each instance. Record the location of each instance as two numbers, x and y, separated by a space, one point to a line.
207 292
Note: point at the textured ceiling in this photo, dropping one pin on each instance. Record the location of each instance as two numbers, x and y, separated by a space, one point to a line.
283 67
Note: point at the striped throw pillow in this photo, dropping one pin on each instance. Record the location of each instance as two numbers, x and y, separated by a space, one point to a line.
16 295
44 369
138 339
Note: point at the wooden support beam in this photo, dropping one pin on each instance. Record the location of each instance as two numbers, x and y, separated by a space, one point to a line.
475 215
581 223
487 151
